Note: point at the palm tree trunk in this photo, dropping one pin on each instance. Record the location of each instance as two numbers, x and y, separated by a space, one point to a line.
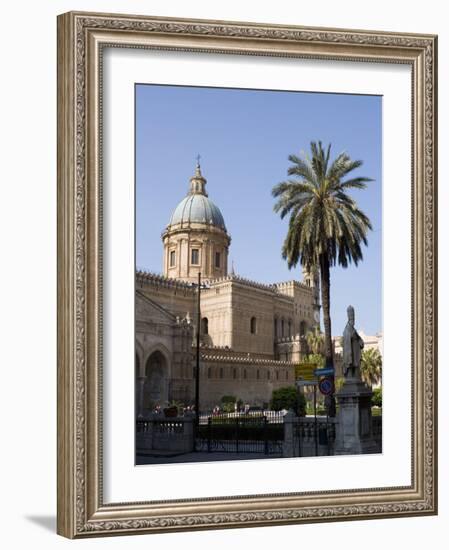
325 300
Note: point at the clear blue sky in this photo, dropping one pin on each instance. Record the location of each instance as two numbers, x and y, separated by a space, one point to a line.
244 138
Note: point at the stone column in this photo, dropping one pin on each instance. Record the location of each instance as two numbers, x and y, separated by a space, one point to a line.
179 251
289 447
189 432
354 422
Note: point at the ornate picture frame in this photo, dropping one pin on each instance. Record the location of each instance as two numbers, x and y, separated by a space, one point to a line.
82 38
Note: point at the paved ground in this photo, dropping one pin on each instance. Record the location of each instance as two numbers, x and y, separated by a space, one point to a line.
200 457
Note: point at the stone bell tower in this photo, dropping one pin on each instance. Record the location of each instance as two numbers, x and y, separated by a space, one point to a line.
311 279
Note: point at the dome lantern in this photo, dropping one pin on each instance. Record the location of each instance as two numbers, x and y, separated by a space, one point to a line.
198 182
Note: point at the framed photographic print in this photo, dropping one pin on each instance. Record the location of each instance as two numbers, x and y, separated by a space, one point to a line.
246 274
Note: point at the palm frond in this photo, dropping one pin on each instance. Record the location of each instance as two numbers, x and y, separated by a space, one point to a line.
324 218
355 183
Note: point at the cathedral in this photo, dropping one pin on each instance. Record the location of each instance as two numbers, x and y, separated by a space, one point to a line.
251 334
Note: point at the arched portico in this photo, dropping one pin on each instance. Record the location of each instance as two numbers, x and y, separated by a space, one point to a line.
139 385
156 386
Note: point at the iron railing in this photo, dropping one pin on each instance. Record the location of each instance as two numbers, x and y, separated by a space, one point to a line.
314 437
240 433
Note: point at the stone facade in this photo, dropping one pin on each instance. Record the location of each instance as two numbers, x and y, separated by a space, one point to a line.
251 334
163 355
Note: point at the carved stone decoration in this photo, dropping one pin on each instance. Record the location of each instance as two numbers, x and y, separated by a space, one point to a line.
80 274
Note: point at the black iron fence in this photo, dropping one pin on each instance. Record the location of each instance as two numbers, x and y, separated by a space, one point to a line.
240 433
377 432
275 434
314 437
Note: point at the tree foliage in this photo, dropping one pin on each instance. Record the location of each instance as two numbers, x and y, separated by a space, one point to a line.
316 359
326 227
315 340
371 366
376 400
288 398
228 403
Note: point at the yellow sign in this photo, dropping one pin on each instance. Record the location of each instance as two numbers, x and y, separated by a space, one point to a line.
305 371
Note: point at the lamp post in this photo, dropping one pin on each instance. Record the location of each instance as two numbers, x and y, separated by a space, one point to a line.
197 369
198 333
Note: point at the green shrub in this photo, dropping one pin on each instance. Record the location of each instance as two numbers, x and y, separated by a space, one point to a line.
228 399
283 398
228 403
288 398
376 400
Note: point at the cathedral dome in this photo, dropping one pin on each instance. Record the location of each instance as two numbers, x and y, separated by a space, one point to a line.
196 241
196 207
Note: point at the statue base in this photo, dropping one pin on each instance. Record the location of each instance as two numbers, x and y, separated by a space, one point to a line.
354 426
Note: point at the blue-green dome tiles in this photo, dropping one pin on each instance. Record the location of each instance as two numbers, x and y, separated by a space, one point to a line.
197 208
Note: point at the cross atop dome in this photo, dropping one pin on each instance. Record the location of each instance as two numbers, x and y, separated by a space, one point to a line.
198 182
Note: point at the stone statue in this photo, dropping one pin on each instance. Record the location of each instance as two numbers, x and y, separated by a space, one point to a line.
352 348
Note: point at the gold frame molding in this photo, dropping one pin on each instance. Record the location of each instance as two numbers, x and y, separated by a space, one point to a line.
81 37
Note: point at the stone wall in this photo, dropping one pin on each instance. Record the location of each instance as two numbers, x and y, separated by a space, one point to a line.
248 379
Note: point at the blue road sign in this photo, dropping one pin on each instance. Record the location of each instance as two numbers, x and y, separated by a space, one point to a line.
326 386
325 372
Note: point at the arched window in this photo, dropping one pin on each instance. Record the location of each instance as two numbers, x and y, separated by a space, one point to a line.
258 374
289 327
205 325
302 328
275 328
268 374
286 374
282 328
244 373
253 325
234 373
209 372
277 375
221 372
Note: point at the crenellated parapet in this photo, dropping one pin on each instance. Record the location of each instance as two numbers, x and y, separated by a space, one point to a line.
157 280
250 360
242 280
288 286
277 289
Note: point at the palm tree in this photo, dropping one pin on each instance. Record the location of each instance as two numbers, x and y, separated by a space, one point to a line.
326 227
371 366
315 340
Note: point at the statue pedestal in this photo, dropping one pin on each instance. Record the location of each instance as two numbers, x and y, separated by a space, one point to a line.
354 426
